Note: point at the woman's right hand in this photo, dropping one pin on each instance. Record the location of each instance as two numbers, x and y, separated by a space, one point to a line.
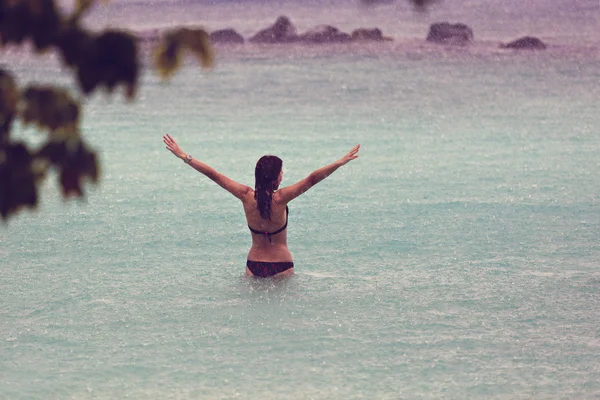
353 154
173 147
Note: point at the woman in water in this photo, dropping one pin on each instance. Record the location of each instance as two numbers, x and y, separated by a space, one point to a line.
266 207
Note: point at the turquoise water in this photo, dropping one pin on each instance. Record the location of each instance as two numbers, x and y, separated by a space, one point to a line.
456 258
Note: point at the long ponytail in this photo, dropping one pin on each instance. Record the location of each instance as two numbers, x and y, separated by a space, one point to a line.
266 175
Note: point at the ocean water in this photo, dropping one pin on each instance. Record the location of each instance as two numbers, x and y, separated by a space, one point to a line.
457 258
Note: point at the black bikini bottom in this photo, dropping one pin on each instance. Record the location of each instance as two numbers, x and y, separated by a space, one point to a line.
267 268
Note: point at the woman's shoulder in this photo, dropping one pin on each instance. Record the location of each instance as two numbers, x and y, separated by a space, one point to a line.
278 199
248 196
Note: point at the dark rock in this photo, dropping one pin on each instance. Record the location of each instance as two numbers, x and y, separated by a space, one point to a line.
526 43
281 32
229 36
364 34
446 33
324 34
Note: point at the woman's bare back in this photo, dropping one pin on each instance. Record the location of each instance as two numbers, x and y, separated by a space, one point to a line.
271 243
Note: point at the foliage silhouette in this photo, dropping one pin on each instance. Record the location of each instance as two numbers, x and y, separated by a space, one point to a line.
103 60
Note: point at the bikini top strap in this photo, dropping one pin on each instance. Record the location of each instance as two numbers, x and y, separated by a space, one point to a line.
287 213
268 234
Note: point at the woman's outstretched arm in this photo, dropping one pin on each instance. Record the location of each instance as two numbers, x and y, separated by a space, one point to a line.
288 193
233 187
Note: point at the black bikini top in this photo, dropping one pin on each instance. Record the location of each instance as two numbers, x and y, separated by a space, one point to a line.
269 234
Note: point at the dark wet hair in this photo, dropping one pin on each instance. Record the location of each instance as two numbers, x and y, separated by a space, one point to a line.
266 175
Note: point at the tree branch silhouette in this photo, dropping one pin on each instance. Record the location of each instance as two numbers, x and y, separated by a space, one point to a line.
97 60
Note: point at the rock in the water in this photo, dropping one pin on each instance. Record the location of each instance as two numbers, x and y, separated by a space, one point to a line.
365 34
446 33
324 34
226 36
526 43
283 31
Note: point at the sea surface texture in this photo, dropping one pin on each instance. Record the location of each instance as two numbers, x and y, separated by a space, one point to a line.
458 257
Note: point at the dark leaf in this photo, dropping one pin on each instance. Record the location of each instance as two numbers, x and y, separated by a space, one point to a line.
9 98
110 60
169 53
73 44
50 108
17 180
77 164
74 161
46 23
15 23
70 183
167 59
55 152
198 42
83 160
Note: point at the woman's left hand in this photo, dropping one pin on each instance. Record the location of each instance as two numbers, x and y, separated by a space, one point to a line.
173 147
